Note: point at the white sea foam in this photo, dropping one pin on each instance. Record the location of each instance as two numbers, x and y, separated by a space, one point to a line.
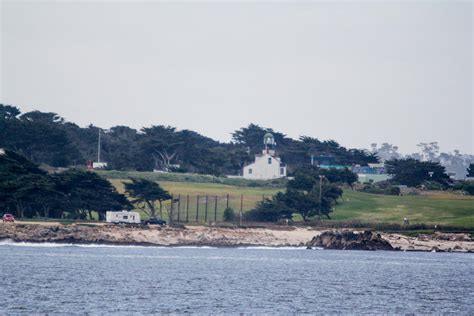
9 242
271 248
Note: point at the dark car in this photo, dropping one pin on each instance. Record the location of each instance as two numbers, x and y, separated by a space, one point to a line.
8 218
155 221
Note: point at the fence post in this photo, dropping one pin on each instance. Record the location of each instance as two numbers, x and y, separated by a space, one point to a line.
171 209
227 203
215 209
179 204
205 212
187 208
241 206
197 208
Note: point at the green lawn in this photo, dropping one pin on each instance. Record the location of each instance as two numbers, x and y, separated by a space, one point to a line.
433 208
251 196
441 208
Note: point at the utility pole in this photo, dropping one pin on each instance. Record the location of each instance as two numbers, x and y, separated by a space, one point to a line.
98 149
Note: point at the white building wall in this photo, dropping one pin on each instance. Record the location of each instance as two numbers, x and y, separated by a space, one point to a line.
262 170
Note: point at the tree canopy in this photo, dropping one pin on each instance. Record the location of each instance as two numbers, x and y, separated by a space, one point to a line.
148 193
47 138
306 195
470 170
27 191
412 172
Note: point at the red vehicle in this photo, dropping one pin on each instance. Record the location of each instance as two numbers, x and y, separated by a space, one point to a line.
8 218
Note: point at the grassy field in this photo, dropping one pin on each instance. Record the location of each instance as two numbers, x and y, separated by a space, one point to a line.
190 178
251 196
441 208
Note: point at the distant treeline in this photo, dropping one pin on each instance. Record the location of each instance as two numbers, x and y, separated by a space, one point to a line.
46 138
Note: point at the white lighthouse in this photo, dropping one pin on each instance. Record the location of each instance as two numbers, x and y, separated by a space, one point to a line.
266 165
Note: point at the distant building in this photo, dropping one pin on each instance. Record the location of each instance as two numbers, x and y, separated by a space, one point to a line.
95 165
374 172
267 165
367 177
99 165
326 162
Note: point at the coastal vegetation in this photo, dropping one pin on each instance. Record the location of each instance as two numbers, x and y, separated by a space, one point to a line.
29 192
37 144
47 138
309 194
412 172
145 194
353 208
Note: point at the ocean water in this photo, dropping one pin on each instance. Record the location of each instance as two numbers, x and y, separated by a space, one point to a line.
67 279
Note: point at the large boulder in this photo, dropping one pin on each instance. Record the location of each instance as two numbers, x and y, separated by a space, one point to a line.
350 240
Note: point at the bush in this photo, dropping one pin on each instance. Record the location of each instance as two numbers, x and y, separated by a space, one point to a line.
229 215
432 185
269 210
381 188
392 190
465 186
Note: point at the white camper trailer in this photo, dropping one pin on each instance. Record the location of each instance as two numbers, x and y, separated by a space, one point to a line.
122 217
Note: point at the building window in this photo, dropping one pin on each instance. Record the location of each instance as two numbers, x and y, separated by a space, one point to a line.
269 160
250 171
282 171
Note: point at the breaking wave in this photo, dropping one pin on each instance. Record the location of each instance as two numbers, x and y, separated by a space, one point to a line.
9 242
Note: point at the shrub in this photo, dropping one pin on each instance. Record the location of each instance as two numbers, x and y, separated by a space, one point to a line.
270 210
263 213
432 185
381 188
392 190
465 186
229 215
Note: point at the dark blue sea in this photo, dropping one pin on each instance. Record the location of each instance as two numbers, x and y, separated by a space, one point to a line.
66 279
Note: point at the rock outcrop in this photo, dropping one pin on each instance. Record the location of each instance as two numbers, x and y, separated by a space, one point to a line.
350 240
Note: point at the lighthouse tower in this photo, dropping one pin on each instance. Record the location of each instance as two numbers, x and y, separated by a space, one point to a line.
269 143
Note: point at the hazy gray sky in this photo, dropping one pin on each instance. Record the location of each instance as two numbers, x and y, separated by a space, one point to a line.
355 72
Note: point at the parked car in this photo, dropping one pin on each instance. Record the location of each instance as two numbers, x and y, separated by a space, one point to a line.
8 218
155 221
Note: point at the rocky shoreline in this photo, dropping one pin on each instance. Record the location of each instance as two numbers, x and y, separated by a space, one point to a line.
350 240
232 237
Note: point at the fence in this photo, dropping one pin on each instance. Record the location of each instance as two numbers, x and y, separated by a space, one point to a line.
207 208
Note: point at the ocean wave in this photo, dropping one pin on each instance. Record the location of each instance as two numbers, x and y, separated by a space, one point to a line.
271 248
9 242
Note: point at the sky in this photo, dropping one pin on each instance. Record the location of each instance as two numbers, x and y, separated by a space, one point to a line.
356 72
